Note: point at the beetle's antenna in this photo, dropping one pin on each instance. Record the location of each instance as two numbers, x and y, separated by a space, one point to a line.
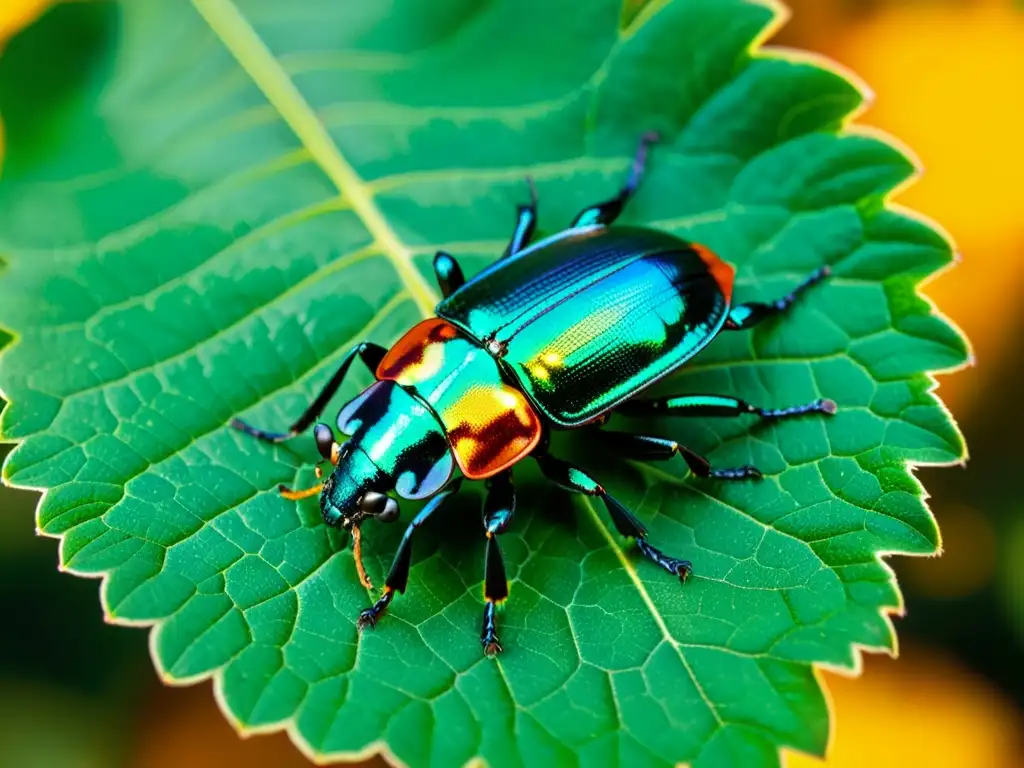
357 554
297 495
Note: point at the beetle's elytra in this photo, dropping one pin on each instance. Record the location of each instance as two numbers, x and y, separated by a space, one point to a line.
558 334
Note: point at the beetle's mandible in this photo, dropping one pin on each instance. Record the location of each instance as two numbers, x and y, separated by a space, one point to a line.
558 334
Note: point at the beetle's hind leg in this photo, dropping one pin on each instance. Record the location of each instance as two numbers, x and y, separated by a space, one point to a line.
719 405
645 448
607 212
573 479
499 506
398 576
744 316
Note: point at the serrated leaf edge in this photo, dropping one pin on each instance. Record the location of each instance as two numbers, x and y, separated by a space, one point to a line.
258 62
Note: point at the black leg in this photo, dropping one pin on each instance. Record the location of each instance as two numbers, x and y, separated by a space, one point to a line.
526 222
499 506
398 576
573 479
607 212
371 354
448 273
718 405
744 316
643 448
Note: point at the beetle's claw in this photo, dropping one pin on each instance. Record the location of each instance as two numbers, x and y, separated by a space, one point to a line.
492 648
684 569
828 407
367 620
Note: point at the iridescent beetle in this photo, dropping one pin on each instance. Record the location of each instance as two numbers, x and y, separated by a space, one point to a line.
555 335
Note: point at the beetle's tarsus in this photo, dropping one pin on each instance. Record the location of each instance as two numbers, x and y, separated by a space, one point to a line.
489 632
822 405
259 434
737 473
370 616
681 568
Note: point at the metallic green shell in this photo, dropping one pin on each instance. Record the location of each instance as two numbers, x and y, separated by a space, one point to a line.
588 318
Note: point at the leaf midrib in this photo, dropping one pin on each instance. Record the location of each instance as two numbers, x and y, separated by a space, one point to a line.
269 76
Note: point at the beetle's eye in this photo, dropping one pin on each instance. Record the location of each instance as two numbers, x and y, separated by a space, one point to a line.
382 507
373 503
390 512
324 440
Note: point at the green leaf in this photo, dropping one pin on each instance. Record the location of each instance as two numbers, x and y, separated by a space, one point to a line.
219 200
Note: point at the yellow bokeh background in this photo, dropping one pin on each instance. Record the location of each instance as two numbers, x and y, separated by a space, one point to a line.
949 82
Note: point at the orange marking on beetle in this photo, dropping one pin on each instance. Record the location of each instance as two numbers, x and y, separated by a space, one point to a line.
490 429
723 272
418 354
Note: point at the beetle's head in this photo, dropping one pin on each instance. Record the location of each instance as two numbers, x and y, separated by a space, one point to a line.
356 490
395 444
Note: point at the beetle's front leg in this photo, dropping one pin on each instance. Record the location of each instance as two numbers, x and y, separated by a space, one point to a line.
371 354
398 576
499 506
573 479
744 316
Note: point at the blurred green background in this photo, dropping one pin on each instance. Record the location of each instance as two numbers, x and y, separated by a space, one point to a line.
949 81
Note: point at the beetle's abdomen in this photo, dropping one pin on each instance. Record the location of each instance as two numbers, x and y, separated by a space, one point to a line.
489 424
588 320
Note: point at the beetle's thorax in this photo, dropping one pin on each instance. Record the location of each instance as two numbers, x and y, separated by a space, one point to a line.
489 424
400 437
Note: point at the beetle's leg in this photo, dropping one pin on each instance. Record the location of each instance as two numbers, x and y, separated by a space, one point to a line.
607 212
526 222
499 506
718 405
744 316
644 448
573 479
398 576
448 273
371 354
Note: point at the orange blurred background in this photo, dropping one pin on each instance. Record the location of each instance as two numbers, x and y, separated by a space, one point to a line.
949 82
